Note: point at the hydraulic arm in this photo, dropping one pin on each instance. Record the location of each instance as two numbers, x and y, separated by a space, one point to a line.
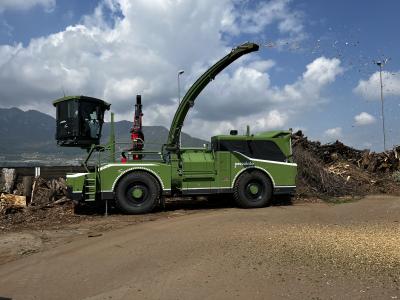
137 135
191 95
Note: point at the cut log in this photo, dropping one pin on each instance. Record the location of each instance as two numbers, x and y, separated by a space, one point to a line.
13 200
10 203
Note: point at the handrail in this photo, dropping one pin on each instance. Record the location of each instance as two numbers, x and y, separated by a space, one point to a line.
112 154
92 149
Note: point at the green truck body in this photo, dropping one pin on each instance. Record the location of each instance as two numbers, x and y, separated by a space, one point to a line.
198 171
252 167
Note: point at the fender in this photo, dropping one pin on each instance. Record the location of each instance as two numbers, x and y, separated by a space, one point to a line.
130 170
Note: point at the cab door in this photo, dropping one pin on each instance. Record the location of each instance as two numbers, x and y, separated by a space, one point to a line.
223 168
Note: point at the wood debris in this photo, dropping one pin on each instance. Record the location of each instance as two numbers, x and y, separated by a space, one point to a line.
47 192
338 170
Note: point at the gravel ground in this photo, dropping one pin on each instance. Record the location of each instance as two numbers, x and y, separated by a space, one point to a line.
303 251
353 249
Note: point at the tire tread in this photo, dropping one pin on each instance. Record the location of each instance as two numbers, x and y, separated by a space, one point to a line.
124 207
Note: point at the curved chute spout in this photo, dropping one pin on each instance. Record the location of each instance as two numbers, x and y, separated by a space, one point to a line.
191 95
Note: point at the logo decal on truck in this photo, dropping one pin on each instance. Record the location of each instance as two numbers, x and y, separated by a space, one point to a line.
244 164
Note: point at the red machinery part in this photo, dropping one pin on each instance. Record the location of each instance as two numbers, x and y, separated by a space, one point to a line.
137 135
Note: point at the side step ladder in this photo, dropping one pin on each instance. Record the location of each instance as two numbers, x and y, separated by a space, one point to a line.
90 189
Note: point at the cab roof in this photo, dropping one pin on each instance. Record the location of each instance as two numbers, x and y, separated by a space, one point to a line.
259 135
82 98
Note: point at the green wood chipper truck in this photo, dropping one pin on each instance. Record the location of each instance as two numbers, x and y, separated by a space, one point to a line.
251 167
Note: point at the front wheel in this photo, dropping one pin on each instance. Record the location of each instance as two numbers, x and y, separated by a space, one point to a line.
137 193
252 189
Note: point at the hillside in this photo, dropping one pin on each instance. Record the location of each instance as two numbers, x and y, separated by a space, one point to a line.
28 137
29 131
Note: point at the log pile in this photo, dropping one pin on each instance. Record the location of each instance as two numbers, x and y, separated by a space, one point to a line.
338 170
384 162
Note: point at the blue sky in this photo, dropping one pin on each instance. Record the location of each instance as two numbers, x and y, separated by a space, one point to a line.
315 70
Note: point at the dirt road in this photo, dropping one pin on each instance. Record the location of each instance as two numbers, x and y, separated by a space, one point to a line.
304 251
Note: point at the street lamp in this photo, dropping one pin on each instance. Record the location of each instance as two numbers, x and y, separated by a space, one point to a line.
180 72
179 85
380 65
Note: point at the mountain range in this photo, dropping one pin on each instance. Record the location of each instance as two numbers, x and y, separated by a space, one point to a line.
27 136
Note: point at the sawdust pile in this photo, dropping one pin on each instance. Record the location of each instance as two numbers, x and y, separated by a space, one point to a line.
335 170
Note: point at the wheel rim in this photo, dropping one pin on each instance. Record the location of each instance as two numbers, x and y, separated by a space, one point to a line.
254 190
137 193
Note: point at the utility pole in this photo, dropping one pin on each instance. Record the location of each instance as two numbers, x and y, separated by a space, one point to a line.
380 64
179 102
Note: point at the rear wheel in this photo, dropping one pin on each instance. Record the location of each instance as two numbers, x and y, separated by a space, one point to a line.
252 189
137 193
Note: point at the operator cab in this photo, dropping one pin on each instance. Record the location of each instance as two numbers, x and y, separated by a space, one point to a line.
79 121
271 145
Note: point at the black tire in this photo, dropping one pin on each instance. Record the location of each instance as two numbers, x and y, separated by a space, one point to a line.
252 189
137 193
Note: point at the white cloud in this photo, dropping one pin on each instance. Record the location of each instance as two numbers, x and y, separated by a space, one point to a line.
255 20
370 88
307 89
333 133
247 96
47 5
248 83
364 119
262 65
257 122
142 49
322 71
273 120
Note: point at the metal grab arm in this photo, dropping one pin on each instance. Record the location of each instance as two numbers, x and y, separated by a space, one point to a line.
187 102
